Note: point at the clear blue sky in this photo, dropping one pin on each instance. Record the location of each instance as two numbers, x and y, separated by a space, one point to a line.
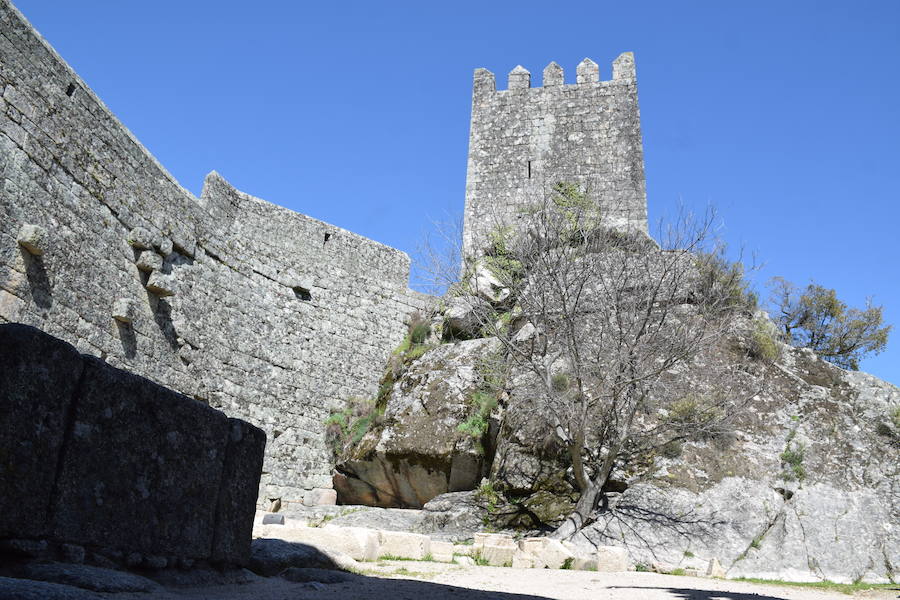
784 115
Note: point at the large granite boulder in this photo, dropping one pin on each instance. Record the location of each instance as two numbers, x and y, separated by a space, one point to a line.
807 488
108 461
465 316
420 451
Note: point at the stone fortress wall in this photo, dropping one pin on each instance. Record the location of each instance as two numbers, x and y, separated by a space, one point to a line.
525 139
266 314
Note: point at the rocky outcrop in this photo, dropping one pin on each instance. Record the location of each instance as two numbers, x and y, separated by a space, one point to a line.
420 450
464 317
806 488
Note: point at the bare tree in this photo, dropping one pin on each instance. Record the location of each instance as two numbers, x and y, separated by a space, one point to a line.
601 321
438 259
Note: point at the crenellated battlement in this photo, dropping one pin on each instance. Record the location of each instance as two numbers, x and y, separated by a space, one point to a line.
524 139
587 73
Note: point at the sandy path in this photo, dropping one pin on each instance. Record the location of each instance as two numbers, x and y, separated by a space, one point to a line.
451 582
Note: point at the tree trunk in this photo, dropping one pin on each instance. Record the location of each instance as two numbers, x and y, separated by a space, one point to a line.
586 504
590 496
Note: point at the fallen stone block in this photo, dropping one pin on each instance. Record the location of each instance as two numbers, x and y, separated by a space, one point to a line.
33 238
320 497
404 545
369 540
497 549
714 569
611 559
498 555
358 543
441 551
273 519
466 561
549 551
525 560
497 539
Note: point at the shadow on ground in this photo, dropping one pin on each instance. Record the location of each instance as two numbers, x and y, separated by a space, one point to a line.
697 594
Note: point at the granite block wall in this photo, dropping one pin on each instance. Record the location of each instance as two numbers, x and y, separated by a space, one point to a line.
98 457
266 314
525 139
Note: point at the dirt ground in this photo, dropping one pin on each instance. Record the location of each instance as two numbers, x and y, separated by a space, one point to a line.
411 580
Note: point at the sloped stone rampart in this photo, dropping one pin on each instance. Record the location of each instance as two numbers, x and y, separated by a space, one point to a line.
271 316
112 462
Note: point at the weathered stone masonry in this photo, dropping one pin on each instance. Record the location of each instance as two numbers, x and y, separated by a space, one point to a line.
269 315
524 139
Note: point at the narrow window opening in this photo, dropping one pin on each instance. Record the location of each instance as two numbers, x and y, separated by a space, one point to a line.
327 237
302 293
529 169
70 90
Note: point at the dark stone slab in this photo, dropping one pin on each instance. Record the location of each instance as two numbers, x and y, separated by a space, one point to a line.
89 578
246 445
270 557
143 468
38 378
312 575
26 589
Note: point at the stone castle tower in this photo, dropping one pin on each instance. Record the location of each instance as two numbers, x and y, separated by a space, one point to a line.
525 139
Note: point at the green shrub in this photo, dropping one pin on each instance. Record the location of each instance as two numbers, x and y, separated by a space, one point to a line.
678 571
762 342
567 564
475 426
792 458
560 382
722 283
692 411
488 494
418 332
581 213
500 259
416 352
484 400
672 449
346 427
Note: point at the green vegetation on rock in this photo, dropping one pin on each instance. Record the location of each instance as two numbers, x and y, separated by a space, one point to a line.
815 318
763 345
